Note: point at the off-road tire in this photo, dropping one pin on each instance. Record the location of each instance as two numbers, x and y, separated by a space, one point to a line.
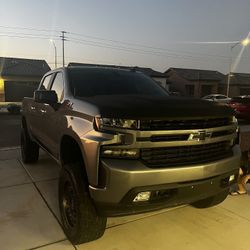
211 201
29 148
80 221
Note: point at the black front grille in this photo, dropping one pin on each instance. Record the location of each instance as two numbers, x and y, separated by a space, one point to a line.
159 138
184 124
185 155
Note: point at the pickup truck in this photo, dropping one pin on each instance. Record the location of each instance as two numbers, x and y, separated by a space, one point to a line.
126 146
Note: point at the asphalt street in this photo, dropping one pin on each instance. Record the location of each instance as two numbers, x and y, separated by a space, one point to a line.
10 126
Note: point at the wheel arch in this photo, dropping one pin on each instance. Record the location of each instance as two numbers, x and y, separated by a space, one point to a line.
24 125
72 152
23 122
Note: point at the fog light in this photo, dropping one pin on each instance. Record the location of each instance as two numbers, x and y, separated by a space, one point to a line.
120 153
142 196
231 178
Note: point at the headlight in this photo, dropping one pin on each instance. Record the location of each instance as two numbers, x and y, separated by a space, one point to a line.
236 140
101 123
235 121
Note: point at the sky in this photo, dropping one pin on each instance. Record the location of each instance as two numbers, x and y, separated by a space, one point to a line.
149 33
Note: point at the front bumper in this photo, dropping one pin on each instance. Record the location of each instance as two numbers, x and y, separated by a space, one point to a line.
185 184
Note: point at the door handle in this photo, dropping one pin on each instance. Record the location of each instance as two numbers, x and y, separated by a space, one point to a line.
43 111
32 108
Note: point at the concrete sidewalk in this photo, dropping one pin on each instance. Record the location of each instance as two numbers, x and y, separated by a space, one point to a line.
29 217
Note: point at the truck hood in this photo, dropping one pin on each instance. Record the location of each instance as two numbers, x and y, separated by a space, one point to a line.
154 107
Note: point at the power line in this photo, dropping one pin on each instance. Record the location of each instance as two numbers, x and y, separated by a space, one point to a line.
121 48
22 35
145 46
24 28
111 44
115 41
134 50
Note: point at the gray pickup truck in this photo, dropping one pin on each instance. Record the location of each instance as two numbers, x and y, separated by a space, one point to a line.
126 146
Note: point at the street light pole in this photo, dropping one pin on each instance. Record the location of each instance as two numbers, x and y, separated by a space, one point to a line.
230 68
244 43
55 53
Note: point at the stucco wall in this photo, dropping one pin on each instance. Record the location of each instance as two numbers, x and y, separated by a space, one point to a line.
162 81
178 84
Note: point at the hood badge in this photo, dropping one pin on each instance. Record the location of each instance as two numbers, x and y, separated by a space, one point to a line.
200 136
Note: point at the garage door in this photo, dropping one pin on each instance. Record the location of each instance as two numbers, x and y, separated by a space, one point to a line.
16 91
244 91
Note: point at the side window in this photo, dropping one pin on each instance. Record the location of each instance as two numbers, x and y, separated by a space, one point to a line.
57 85
220 97
45 83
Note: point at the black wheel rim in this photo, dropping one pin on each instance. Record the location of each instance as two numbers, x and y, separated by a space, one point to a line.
69 205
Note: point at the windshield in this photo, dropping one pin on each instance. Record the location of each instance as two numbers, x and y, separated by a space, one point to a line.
86 82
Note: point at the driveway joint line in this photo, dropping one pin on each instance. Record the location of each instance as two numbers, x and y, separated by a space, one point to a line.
16 185
52 179
232 212
9 148
45 201
48 244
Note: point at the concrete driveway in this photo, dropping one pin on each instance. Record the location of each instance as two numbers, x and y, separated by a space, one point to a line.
29 217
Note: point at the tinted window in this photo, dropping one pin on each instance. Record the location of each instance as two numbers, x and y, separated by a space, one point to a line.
91 82
207 97
45 83
220 97
57 85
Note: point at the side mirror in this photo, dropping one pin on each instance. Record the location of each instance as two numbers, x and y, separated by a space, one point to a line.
45 96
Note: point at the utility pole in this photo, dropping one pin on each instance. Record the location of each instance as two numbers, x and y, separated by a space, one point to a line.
63 39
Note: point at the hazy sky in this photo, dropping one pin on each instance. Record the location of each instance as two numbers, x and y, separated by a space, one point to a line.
150 33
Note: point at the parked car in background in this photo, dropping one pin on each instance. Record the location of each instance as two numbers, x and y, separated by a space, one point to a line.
217 98
14 108
241 104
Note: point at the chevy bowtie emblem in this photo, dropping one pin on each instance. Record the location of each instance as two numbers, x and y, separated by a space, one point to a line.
200 136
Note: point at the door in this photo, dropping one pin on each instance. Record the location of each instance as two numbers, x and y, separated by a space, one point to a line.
35 112
52 117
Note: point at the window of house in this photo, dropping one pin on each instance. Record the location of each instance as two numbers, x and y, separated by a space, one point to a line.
57 85
189 90
206 90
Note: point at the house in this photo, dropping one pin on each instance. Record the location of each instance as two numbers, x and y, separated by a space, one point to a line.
239 84
156 75
194 82
20 77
